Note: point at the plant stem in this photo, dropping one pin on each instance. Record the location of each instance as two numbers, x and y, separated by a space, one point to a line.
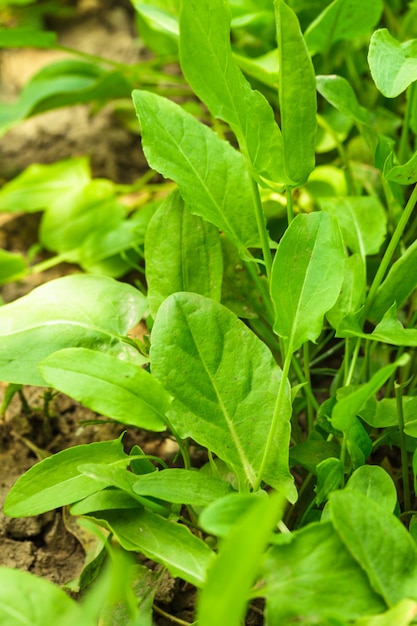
253 270
389 252
169 617
403 446
290 208
48 263
404 147
277 412
263 233
310 409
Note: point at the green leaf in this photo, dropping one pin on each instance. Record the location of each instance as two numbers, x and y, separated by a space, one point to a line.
311 452
374 482
28 599
346 409
405 174
389 330
378 542
393 65
187 258
297 97
170 544
352 294
210 69
307 276
108 385
339 93
223 402
401 614
27 38
74 311
43 186
341 20
362 220
182 486
12 266
219 517
313 577
384 413
56 481
399 284
329 478
233 572
106 500
211 175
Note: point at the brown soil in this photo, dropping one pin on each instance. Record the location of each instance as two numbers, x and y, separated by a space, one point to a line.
51 545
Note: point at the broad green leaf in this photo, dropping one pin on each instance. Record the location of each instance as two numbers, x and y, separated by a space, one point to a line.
66 225
398 285
389 330
27 38
102 382
307 276
393 64
346 409
168 543
329 478
187 258
12 266
222 400
224 513
379 543
233 572
43 186
313 577
26 599
362 220
374 482
297 97
56 481
182 486
86 311
211 175
263 68
106 500
339 93
352 294
158 26
342 19
401 614
405 174
311 452
384 413
210 69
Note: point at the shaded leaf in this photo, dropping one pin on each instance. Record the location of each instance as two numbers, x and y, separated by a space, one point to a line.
393 64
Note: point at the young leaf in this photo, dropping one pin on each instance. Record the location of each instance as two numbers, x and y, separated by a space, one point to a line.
374 482
56 481
171 545
182 487
234 571
346 409
398 285
297 96
313 577
329 478
212 176
393 65
187 258
389 330
362 220
378 542
342 19
405 174
108 385
219 517
307 276
74 311
27 38
352 294
12 266
337 91
210 69
223 401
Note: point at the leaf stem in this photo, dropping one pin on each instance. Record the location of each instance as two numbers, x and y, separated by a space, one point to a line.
389 252
403 446
263 232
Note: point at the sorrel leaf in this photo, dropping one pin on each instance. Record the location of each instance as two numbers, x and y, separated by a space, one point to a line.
297 96
87 311
234 570
352 293
210 69
342 19
187 258
56 481
374 482
211 175
222 398
339 93
315 581
393 64
108 385
182 486
27 38
378 542
172 545
307 275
